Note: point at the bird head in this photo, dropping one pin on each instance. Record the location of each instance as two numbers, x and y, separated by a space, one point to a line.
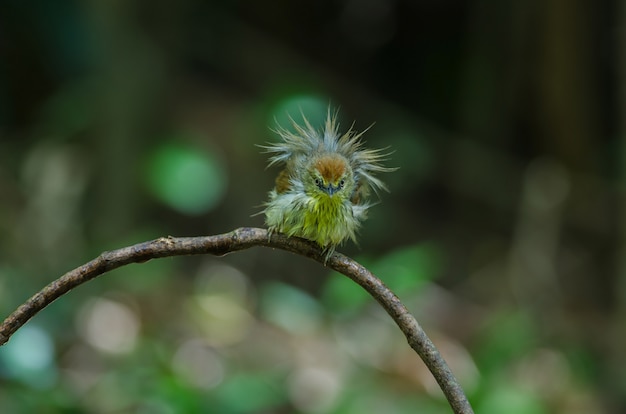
331 174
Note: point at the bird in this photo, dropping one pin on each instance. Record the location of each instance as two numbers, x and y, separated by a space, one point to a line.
322 192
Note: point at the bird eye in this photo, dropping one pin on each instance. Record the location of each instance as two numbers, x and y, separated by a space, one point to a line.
342 183
318 182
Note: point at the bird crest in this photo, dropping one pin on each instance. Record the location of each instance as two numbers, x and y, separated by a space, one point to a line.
331 167
306 141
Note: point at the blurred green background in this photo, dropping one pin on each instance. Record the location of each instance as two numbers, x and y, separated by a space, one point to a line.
123 121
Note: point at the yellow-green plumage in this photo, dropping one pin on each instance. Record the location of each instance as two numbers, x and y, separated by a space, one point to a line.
321 194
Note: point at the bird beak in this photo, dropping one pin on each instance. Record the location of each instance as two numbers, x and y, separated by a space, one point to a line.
331 189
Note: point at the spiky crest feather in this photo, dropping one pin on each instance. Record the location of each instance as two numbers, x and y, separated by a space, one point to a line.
307 141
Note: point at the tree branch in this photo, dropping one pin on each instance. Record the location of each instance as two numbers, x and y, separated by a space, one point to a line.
240 239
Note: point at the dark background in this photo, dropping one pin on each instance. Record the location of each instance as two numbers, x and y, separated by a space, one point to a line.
123 121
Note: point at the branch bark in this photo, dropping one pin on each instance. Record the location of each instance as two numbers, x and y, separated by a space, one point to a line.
240 239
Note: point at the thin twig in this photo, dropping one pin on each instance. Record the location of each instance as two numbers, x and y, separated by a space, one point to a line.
240 239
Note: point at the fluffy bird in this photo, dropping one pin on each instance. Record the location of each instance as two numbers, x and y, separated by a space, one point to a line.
322 192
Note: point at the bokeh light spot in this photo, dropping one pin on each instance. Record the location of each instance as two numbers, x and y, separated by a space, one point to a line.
198 365
188 180
222 318
109 326
314 390
29 356
290 308
313 107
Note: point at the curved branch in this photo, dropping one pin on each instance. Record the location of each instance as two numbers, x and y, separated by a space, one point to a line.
240 239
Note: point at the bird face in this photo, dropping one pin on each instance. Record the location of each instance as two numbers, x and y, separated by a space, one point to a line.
330 174
330 188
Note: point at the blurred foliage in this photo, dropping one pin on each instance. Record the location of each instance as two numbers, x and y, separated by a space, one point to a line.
503 233
168 172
